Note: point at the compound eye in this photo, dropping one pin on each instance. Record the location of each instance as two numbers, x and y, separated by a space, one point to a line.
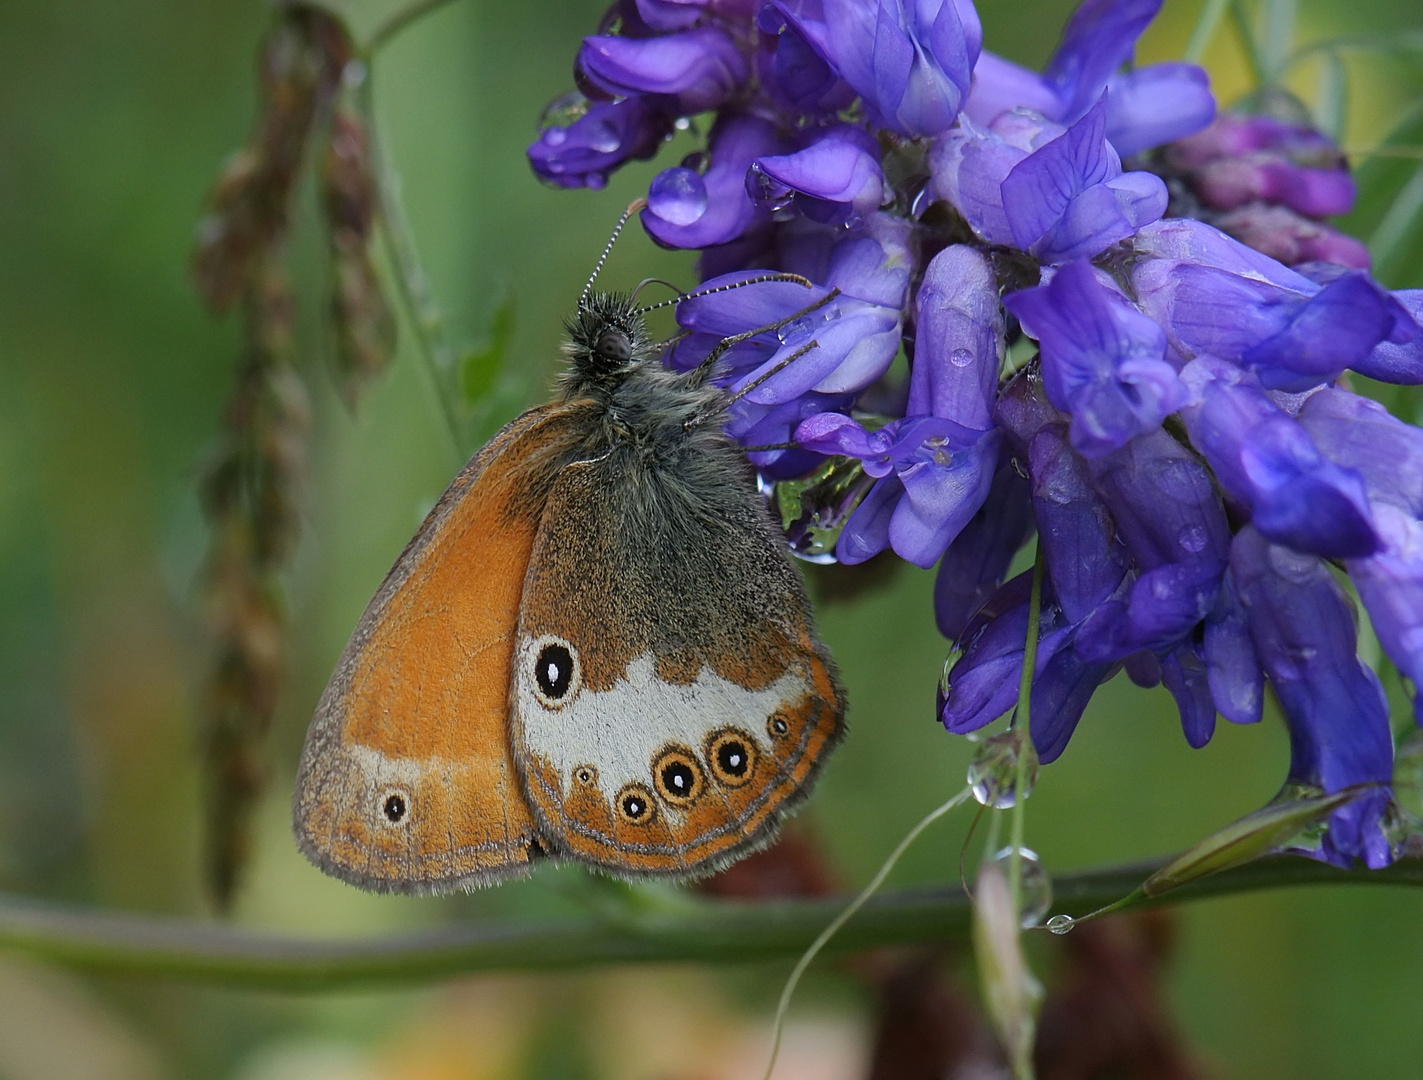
614 345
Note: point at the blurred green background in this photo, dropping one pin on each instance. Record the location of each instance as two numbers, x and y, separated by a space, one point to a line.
114 119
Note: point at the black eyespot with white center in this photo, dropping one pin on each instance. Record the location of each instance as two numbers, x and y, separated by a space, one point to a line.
677 776
394 807
732 754
778 727
552 667
613 345
634 805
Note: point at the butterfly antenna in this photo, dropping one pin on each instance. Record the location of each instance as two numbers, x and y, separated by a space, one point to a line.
795 279
645 282
633 207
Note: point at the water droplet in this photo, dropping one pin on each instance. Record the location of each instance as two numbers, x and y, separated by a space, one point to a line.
945 686
993 772
1397 829
767 190
604 138
677 196
1193 538
683 123
563 111
1034 884
961 357
556 136
1310 839
1061 924
796 331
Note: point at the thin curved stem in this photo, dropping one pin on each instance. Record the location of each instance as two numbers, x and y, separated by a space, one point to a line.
836 924
433 346
399 20
719 933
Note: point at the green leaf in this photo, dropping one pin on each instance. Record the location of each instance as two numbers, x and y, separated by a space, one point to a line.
479 368
1331 97
1254 835
1388 212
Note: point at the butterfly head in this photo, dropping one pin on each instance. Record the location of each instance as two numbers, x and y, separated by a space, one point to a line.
607 339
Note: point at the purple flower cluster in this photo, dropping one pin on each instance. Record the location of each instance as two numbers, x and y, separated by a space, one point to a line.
1182 442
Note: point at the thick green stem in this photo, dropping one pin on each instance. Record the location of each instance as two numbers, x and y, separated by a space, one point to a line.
718 933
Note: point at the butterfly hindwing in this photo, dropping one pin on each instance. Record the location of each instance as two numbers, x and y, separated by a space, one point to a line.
407 781
670 699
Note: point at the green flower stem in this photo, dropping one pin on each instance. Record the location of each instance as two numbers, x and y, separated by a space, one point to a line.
711 933
1022 719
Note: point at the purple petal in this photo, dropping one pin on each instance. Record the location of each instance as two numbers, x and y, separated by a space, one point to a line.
1334 706
941 495
609 134
1334 329
1391 586
1283 234
670 14
1184 673
700 68
1399 360
866 534
1098 39
1102 359
911 61
977 560
1037 190
831 433
1268 462
842 166
728 212
1232 668
960 340
1157 104
1000 85
1364 437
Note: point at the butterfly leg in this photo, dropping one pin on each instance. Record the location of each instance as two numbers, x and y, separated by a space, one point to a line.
703 371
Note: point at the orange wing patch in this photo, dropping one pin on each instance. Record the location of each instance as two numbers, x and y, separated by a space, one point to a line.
407 781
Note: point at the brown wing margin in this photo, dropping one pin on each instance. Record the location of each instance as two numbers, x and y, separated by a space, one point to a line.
406 782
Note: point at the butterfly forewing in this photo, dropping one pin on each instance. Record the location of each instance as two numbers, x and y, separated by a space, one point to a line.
407 781
670 699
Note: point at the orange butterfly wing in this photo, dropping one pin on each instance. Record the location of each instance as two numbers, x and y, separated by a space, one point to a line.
407 782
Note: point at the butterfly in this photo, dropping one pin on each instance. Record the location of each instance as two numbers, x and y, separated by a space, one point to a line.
596 648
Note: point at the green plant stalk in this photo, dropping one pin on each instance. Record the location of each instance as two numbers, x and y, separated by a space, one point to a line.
1241 18
712 933
1022 718
423 315
1204 30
